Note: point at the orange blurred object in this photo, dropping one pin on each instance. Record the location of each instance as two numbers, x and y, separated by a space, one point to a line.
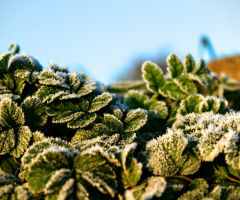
229 65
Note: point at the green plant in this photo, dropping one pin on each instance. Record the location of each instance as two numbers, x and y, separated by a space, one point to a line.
64 136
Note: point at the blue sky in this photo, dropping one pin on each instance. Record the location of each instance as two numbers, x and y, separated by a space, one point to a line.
106 36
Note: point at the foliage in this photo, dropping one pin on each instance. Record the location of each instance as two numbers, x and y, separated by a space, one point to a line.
65 136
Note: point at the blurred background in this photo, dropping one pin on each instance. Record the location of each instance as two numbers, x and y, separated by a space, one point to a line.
109 40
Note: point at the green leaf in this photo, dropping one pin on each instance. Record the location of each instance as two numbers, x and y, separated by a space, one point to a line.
189 63
50 78
46 164
93 168
23 137
157 108
197 190
113 123
23 61
82 121
7 141
178 88
9 165
131 170
192 163
99 102
11 113
34 112
134 99
175 66
75 80
165 153
192 104
211 143
14 192
134 120
49 94
87 87
150 188
153 76
4 58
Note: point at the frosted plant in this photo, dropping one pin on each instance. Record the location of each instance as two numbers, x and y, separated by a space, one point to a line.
179 84
126 126
70 99
14 135
59 172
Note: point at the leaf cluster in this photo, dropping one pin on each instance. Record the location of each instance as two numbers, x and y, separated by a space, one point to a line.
65 136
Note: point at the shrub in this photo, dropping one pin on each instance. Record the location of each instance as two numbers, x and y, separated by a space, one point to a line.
65 136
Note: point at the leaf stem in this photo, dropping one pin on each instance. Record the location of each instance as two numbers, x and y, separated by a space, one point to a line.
182 177
233 180
155 96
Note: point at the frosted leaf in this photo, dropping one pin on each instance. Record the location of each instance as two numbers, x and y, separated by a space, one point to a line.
216 193
189 63
83 121
49 94
118 109
50 78
165 153
177 89
197 190
83 144
231 149
153 76
6 179
4 57
128 195
192 161
66 116
45 164
156 109
134 120
75 81
7 141
23 137
34 112
87 87
99 102
9 96
192 104
113 123
134 99
131 169
23 61
202 73
211 143
11 113
175 66
39 147
37 136
55 184
15 193
93 166
150 188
